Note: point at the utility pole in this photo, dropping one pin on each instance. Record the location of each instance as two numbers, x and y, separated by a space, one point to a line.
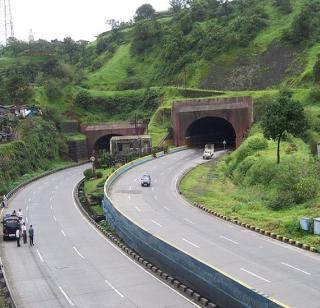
6 21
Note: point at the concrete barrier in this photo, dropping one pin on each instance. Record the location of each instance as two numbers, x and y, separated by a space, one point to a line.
203 278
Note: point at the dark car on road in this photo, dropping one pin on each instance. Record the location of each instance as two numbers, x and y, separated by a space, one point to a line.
10 225
146 180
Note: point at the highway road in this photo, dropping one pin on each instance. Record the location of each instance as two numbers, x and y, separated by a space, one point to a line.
285 273
72 264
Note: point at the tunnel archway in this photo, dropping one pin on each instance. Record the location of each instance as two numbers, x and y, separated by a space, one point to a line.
211 130
103 143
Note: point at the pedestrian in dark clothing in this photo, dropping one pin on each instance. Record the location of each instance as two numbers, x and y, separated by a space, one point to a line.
31 232
18 237
24 233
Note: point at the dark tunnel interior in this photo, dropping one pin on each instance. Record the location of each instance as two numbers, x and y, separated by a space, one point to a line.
211 130
103 143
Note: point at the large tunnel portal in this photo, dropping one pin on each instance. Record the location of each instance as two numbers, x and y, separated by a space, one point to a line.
211 130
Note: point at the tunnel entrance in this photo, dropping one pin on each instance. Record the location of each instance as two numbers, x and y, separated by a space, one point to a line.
211 130
103 143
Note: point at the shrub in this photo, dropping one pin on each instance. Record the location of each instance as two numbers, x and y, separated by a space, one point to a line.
99 174
282 200
96 197
88 173
292 148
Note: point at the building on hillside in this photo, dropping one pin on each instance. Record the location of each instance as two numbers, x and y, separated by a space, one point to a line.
124 146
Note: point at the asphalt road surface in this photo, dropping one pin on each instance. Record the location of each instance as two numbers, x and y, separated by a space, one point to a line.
72 264
285 273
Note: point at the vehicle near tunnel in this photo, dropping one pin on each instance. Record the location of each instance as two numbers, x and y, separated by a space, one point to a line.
208 151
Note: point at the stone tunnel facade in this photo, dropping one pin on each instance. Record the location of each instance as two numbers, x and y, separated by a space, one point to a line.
95 132
238 111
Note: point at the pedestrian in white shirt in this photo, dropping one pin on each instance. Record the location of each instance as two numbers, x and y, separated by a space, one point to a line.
18 237
20 214
24 233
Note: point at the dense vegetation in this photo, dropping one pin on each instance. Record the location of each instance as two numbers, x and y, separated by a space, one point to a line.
39 146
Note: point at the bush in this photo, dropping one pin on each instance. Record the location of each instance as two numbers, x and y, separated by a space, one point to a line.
292 148
99 174
88 173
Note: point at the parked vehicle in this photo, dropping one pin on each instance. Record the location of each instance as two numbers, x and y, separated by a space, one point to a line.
208 151
10 225
146 180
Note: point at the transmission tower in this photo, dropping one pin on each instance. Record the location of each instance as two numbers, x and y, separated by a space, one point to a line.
6 23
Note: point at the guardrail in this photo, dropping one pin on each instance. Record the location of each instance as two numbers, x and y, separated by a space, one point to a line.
208 281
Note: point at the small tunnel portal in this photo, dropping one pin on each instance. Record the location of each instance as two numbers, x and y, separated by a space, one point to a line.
103 143
211 130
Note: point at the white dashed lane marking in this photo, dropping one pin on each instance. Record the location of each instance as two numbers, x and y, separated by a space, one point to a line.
295 268
255 275
190 243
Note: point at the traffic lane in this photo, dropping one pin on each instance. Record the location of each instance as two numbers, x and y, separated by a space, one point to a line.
65 269
119 271
62 218
30 284
228 239
203 223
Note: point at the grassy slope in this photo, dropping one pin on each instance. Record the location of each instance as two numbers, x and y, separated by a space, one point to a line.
209 186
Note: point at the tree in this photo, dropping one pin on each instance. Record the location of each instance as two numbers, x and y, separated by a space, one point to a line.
283 116
145 11
178 5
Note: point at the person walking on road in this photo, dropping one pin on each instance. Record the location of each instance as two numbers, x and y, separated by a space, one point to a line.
5 201
20 214
24 233
18 237
31 232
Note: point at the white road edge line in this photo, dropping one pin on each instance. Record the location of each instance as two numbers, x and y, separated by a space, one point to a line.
27 220
228 239
121 252
66 296
165 207
192 244
63 233
38 252
297 269
54 217
156 223
255 275
114 289
77 251
139 210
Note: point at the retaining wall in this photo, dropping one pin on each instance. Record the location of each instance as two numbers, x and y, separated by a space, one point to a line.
208 281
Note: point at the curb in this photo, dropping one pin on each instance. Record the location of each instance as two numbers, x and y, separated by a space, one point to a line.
165 277
275 236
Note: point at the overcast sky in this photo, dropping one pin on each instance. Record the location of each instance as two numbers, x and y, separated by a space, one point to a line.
80 19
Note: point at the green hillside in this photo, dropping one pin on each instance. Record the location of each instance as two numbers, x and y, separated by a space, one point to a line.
201 49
